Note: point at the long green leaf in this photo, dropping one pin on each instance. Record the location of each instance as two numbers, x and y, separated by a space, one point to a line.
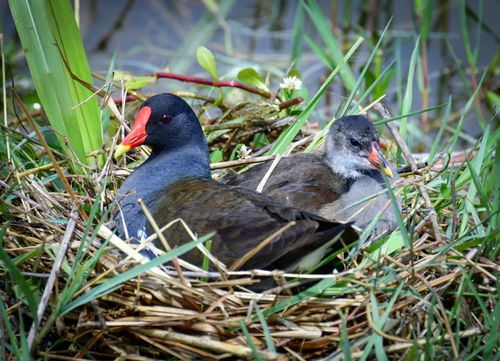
407 100
321 23
365 69
48 32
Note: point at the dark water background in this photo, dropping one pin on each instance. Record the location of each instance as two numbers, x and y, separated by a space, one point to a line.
148 36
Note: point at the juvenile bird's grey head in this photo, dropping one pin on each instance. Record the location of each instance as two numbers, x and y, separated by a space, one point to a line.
352 147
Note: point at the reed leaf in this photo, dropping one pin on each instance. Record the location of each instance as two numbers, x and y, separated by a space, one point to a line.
48 32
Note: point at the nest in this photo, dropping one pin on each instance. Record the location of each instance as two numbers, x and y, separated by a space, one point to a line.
395 300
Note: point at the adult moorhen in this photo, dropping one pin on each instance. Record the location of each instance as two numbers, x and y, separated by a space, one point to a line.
329 184
175 182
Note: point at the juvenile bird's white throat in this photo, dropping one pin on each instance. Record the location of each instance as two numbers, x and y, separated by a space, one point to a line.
345 165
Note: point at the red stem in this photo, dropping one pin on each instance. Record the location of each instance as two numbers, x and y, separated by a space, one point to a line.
290 103
218 84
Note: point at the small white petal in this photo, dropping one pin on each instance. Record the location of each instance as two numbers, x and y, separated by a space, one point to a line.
291 83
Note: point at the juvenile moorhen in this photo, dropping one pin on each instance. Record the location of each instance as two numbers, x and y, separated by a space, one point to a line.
175 182
329 184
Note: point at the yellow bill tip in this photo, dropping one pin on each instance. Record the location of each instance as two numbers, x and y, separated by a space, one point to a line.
121 150
387 171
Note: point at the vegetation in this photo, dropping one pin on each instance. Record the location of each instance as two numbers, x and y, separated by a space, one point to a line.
428 291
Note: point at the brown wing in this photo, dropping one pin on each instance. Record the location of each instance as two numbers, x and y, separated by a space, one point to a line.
302 180
241 218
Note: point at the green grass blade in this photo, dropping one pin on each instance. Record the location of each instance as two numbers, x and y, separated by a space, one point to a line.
474 166
289 134
464 112
312 291
322 26
407 100
361 76
297 33
495 184
20 281
407 115
200 34
372 86
439 135
399 216
265 329
7 326
318 50
344 338
250 342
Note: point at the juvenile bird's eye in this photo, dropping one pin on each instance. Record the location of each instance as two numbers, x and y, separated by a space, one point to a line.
165 118
354 142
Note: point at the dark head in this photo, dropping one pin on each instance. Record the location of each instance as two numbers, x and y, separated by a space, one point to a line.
353 147
166 123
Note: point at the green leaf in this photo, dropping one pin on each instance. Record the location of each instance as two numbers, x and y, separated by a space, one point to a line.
251 77
234 153
260 140
216 156
139 82
493 99
207 61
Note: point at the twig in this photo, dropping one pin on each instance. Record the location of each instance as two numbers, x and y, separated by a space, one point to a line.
290 103
429 286
215 83
209 344
107 234
52 277
236 163
242 125
163 240
20 195
379 331
38 169
401 346
266 177
51 156
382 110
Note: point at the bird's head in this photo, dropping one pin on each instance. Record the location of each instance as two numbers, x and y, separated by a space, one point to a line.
353 146
164 122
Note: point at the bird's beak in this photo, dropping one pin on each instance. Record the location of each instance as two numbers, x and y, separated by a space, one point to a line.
377 160
137 134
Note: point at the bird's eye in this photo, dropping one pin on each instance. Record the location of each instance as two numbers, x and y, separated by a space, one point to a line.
354 142
165 118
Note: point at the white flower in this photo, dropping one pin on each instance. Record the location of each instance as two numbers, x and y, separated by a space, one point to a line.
291 83
244 152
